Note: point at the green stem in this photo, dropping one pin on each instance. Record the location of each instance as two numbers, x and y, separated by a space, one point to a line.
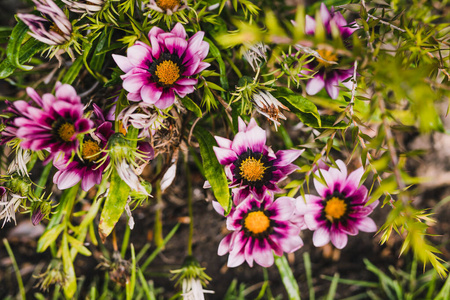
16 269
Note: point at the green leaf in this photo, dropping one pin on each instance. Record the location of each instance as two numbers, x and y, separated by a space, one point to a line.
99 55
49 237
73 71
215 52
18 34
114 205
78 245
287 277
214 86
214 171
192 106
297 103
27 51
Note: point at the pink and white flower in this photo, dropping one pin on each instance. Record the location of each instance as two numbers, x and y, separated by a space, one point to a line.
53 28
154 74
328 75
55 124
260 230
252 166
340 209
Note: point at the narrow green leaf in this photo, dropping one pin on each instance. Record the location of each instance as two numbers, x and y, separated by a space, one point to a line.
192 106
114 205
49 237
287 277
70 284
99 55
214 171
215 52
78 245
214 86
130 286
333 287
18 34
27 51
73 71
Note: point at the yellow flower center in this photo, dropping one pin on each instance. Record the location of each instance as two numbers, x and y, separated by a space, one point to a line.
327 55
168 72
66 132
90 151
56 29
168 4
335 209
257 222
252 169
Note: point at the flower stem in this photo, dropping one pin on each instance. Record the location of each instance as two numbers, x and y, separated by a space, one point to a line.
189 200
16 269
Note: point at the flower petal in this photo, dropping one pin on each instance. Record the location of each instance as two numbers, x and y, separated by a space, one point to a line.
338 238
321 237
367 225
225 156
315 84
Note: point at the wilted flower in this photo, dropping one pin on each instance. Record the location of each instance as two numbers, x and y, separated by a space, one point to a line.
260 227
119 269
53 275
193 279
327 75
340 209
14 191
267 105
127 174
9 203
142 116
54 126
256 54
85 6
154 74
167 7
250 164
52 29
19 163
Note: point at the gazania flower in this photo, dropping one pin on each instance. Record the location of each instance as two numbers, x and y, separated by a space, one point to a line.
56 124
154 74
328 75
53 28
330 19
340 209
85 6
86 169
250 164
261 229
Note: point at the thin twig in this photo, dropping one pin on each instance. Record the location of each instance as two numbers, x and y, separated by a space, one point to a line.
387 23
